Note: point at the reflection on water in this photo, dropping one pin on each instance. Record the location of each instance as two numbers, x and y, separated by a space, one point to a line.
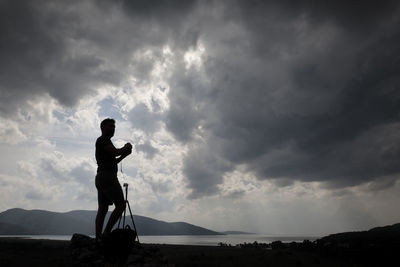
198 240
214 240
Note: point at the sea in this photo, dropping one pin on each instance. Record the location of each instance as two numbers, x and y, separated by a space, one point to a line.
195 240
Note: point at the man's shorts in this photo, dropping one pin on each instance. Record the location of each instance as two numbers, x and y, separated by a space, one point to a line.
109 191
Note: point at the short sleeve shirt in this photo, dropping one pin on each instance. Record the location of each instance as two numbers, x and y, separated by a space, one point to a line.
105 160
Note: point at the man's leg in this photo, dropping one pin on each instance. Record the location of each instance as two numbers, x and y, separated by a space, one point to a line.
117 212
101 214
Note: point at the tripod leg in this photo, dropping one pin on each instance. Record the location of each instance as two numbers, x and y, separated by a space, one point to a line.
124 214
119 221
133 222
126 200
123 220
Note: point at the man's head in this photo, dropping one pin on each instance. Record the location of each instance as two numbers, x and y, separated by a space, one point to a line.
107 127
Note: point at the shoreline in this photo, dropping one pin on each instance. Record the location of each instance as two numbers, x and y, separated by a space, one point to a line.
196 240
16 251
44 252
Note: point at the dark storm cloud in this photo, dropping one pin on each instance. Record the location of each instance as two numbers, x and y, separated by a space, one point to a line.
69 49
168 18
305 92
204 171
189 95
290 90
39 55
353 14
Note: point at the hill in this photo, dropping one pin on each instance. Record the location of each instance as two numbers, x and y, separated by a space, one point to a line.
375 236
376 247
42 222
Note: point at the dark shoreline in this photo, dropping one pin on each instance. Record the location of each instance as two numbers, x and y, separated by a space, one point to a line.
42 252
37 252
34 252
196 240
15 251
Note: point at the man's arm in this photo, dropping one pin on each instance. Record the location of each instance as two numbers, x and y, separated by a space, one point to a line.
110 148
124 155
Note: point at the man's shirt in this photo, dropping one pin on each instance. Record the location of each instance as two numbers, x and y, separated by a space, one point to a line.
105 160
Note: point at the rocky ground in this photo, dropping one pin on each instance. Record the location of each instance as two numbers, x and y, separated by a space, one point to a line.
83 251
86 252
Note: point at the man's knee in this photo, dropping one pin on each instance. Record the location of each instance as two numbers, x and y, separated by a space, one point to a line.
120 206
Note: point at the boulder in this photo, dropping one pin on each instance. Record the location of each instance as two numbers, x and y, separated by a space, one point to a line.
86 252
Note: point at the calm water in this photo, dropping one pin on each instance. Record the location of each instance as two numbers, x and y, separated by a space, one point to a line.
199 240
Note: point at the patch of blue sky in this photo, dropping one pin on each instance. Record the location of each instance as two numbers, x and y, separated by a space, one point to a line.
110 109
131 171
70 141
59 115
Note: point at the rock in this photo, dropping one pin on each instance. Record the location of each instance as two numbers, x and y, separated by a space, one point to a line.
86 252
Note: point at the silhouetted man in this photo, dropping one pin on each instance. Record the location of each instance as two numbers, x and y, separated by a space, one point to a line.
109 190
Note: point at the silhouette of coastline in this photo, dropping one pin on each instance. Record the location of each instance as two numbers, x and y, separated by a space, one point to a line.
375 247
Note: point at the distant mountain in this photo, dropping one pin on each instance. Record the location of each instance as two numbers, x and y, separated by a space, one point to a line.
236 233
6 228
41 222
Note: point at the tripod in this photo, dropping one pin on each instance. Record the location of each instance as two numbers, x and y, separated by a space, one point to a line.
130 212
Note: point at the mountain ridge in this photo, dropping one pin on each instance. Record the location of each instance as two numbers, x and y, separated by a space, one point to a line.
42 222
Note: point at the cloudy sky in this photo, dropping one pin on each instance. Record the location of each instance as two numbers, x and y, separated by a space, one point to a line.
273 117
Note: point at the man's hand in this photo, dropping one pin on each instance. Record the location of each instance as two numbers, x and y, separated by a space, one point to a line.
128 145
128 148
